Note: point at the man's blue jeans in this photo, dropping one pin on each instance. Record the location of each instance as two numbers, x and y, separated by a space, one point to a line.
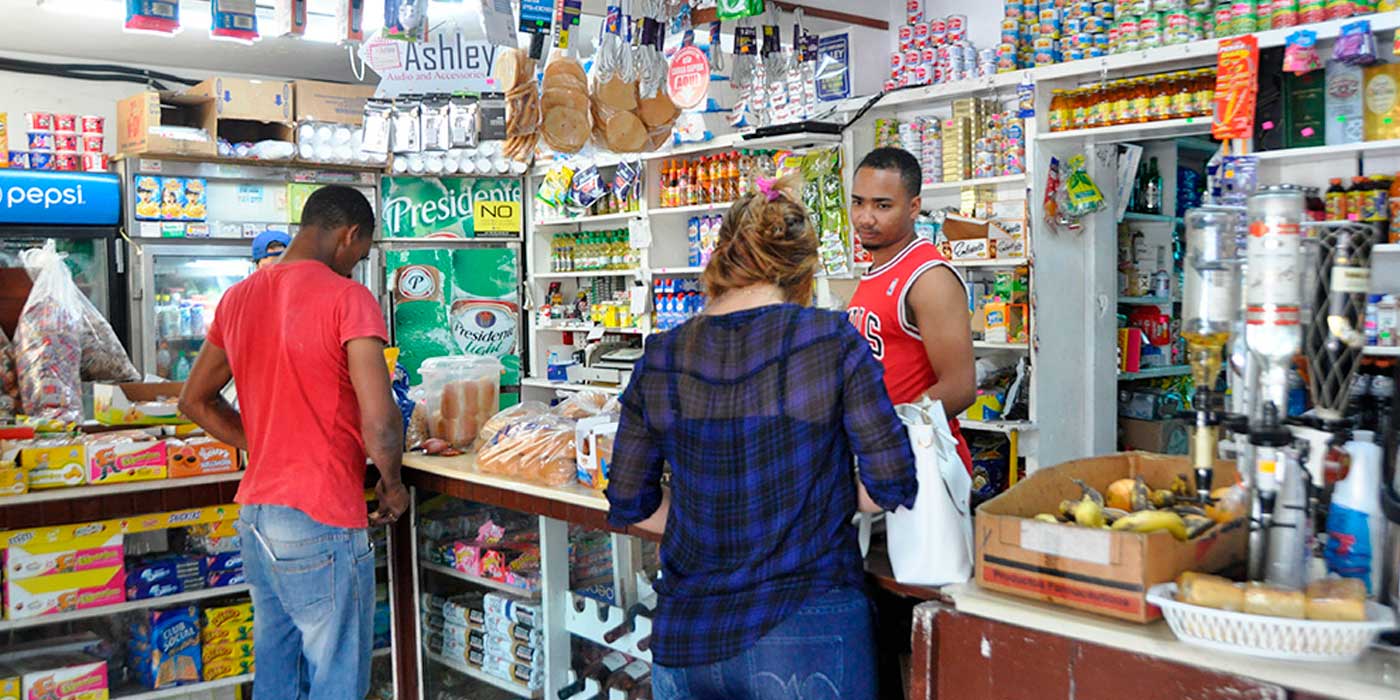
824 651
313 605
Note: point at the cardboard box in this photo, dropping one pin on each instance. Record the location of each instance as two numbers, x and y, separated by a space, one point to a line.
201 456
13 482
967 238
42 558
9 685
1168 437
331 102
1009 235
142 118
1381 91
122 460
80 590
252 100
55 466
1099 571
71 676
137 403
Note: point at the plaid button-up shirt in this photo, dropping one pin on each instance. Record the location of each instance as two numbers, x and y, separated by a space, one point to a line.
758 413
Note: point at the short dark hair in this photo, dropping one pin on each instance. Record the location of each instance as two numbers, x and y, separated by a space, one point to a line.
890 158
334 206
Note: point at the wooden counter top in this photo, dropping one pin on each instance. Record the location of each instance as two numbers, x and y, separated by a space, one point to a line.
1376 675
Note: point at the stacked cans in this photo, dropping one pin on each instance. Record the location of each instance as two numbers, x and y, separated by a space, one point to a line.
1000 147
922 137
60 142
1149 24
936 51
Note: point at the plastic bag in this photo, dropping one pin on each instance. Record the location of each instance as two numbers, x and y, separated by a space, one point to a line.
737 9
1082 196
531 446
50 351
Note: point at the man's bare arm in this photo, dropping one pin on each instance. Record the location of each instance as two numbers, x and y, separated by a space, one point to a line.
939 304
202 400
381 424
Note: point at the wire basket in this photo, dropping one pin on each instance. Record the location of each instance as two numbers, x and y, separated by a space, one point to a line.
1270 637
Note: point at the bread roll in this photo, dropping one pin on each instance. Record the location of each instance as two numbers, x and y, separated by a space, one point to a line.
1275 601
1209 591
1340 599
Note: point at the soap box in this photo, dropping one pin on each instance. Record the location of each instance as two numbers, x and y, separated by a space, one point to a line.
47 595
36 558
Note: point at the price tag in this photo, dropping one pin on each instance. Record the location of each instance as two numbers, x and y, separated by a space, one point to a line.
639 233
149 229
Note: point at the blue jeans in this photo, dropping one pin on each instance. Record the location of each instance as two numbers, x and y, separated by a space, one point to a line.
313 605
825 651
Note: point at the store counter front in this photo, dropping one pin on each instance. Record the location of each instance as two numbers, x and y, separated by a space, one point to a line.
981 645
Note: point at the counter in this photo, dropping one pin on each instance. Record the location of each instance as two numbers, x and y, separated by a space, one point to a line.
989 645
459 478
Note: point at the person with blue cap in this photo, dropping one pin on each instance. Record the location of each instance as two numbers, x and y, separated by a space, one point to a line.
268 247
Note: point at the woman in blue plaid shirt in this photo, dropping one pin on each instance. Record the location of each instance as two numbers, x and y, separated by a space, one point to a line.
758 406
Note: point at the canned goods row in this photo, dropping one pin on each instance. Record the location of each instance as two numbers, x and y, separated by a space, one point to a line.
918 35
68 162
65 142
70 123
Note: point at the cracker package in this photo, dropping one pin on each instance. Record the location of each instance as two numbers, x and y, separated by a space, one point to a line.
515 75
164 648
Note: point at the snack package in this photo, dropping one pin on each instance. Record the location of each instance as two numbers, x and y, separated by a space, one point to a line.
738 9
234 20
1356 45
566 125
1300 55
515 76
528 444
153 17
125 455
164 649
147 204
463 392
1081 196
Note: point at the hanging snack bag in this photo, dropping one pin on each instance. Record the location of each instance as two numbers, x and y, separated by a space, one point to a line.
1082 196
1300 55
153 17
565 105
233 20
289 18
9 380
49 351
515 75
1356 45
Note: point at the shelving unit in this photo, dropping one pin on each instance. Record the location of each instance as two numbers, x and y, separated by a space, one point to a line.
711 208
1169 128
587 273
1375 351
536 383
1145 301
106 610
1157 218
676 271
483 677
988 345
548 328
592 220
480 581
1155 373
977 182
137 693
85 492
994 262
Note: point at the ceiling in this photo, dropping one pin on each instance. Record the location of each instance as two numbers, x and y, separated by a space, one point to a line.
91 30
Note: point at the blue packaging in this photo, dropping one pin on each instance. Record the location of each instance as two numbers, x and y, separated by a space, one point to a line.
142 591
1349 551
164 648
232 577
216 563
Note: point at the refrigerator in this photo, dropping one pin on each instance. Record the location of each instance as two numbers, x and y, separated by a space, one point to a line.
81 213
181 267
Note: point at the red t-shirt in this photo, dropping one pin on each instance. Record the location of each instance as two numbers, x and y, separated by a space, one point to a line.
285 329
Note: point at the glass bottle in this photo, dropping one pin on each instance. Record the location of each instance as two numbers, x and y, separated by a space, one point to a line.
1059 110
1152 188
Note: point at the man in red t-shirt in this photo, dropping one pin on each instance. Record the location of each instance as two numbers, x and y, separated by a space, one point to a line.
305 344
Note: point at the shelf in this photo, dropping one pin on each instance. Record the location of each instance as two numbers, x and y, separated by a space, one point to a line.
85 492
479 581
1377 351
719 207
1155 373
996 426
994 262
586 273
1146 301
978 182
1152 218
952 90
988 345
108 610
589 329
591 219
663 271
793 141
1170 128
464 669
537 383
1363 148
182 690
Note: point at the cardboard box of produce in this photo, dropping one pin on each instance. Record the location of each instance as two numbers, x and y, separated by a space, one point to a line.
1168 437
166 123
1101 571
253 100
137 403
331 102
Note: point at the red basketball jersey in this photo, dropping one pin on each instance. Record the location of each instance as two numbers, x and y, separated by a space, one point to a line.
880 311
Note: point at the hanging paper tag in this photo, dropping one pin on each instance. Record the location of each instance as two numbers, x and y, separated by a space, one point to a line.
639 233
1236 87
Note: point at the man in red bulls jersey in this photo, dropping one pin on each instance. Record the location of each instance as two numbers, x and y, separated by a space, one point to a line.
911 305
912 309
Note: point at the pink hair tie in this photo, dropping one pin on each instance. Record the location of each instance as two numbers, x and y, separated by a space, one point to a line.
765 187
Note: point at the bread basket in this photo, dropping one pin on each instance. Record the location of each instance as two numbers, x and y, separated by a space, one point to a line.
1270 637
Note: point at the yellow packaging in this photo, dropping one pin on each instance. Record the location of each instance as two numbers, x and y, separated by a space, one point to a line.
227 668
4 163
55 466
13 482
225 634
229 614
1381 92
9 688
227 651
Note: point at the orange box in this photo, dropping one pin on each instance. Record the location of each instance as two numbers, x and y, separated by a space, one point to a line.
201 456
1100 571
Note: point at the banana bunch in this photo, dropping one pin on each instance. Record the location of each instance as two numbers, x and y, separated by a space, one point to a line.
1131 505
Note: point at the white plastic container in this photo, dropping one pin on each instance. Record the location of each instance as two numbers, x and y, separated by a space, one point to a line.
462 391
1357 500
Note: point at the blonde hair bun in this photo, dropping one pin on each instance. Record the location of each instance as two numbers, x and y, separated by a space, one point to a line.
766 237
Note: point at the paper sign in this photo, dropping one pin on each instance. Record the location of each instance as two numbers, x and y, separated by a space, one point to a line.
1236 88
834 67
1079 544
449 61
688 78
497 216
639 233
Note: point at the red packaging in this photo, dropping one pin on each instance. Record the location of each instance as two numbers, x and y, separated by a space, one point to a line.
896 60
65 142
914 11
906 36
891 84
921 31
957 23
67 161
928 56
40 121
937 26
94 143
912 58
92 124
65 122
95 162
921 75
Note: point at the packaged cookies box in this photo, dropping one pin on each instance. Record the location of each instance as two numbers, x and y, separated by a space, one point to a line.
37 558
201 456
125 456
57 593
228 651
72 676
55 463
240 614
164 649
9 684
196 201
13 482
1099 571
137 403
228 668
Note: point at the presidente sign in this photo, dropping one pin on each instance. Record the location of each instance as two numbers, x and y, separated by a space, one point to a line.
451 207
447 61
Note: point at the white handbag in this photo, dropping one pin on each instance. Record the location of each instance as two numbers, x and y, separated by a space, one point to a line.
931 544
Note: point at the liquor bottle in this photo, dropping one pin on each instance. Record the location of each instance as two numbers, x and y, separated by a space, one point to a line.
1152 188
